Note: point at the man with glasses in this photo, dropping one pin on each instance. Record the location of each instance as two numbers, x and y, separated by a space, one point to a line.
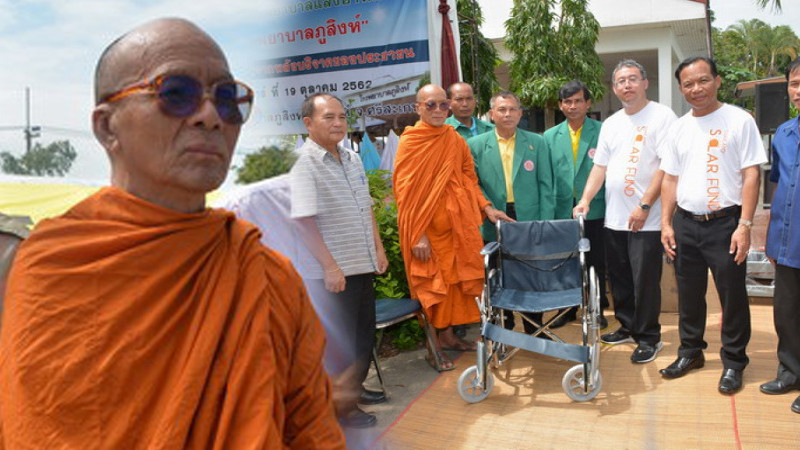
462 105
572 145
711 164
515 174
333 209
439 207
140 318
628 155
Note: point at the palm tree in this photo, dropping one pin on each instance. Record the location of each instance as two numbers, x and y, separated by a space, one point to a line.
750 32
774 4
778 41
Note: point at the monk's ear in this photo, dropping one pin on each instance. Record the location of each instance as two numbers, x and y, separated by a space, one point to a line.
103 127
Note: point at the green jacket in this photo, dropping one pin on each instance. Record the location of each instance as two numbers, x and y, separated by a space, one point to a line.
532 175
464 131
570 177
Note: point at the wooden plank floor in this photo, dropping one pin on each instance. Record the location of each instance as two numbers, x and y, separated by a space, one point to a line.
636 408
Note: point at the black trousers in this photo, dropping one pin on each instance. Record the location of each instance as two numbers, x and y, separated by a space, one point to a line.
702 246
596 257
350 341
634 269
786 312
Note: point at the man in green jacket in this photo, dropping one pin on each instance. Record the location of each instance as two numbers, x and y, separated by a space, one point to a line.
462 105
572 144
514 172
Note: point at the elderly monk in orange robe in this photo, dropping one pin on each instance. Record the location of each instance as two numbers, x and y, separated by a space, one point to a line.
141 319
439 205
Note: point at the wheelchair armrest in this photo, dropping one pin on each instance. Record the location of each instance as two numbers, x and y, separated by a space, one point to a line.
584 245
491 247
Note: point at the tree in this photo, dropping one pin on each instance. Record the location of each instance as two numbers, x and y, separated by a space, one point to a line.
756 47
552 44
268 161
479 57
732 55
750 33
774 4
776 42
53 160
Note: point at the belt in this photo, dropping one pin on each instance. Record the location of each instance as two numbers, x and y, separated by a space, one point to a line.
705 217
511 211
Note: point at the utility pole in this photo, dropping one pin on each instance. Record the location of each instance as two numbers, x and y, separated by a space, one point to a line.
30 131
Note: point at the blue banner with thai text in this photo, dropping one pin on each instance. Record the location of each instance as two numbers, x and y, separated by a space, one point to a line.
372 54
349 59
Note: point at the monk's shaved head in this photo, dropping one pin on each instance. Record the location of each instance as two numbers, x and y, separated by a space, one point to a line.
428 90
432 105
127 58
166 156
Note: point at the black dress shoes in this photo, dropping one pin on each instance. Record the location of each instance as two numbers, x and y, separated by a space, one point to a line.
570 316
682 365
778 386
796 405
357 418
368 397
731 381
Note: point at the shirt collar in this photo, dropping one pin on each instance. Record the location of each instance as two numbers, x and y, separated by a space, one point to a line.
319 152
474 127
500 138
792 126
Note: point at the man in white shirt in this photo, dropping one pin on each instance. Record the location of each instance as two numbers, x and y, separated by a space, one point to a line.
330 200
627 158
711 166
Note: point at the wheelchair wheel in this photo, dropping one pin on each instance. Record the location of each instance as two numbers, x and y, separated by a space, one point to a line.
574 383
469 385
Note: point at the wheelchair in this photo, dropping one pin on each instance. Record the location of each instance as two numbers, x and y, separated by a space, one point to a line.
536 267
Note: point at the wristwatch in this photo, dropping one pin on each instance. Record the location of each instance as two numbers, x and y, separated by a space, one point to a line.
644 206
746 223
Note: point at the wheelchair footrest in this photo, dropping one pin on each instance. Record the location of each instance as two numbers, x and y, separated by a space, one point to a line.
570 352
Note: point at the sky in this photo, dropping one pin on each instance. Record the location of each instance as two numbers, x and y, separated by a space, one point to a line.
727 12
52 46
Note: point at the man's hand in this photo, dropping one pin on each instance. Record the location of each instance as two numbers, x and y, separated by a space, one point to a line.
422 250
637 219
582 208
494 214
334 280
383 262
740 244
668 241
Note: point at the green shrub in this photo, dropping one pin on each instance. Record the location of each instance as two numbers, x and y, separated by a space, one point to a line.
393 284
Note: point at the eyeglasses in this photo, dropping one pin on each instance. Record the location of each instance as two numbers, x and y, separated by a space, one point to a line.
633 81
182 96
431 105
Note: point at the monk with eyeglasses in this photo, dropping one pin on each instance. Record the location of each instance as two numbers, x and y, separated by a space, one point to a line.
142 319
440 209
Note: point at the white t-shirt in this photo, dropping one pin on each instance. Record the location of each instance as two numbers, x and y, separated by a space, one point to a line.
630 147
708 154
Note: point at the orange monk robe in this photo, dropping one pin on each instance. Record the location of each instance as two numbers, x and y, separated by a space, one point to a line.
437 194
128 325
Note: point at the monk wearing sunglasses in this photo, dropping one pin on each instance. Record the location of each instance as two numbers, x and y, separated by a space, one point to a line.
141 318
440 209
